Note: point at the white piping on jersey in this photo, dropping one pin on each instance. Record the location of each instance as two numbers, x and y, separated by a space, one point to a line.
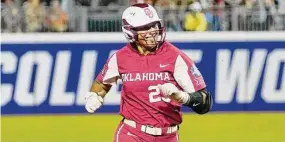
177 136
181 75
118 133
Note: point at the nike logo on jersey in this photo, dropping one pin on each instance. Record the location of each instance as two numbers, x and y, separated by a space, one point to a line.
163 65
195 104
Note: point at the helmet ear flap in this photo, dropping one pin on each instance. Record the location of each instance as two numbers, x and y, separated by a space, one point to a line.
126 28
161 26
161 31
130 34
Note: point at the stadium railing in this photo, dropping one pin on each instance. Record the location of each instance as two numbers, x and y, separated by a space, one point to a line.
108 19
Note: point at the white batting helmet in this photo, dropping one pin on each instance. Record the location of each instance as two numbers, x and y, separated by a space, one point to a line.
140 15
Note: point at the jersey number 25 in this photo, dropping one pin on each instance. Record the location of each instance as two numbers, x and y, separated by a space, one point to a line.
154 95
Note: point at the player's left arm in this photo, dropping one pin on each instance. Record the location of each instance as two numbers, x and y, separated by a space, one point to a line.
194 93
200 101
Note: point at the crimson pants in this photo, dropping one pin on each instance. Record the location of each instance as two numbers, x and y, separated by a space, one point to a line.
125 133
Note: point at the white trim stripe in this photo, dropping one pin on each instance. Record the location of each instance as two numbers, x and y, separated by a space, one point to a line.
117 139
177 136
102 37
181 75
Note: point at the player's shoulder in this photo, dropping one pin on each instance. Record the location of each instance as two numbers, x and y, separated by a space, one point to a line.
173 49
124 50
170 47
176 52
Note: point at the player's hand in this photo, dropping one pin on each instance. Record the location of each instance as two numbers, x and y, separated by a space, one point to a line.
171 91
168 89
93 102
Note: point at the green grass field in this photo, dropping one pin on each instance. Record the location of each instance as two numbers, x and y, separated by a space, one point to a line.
220 127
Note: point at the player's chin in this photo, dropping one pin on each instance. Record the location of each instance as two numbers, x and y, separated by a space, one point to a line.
151 46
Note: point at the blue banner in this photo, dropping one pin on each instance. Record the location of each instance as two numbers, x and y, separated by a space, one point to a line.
53 78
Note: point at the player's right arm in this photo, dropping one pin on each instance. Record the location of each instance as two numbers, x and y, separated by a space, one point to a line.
101 86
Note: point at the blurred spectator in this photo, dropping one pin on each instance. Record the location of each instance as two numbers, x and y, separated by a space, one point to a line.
171 19
217 15
260 15
207 3
213 13
159 3
84 2
195 20
276 22
213 19
252 15
57 18
107 2
281 11
222 11
34 16
281 6
10 17
150 2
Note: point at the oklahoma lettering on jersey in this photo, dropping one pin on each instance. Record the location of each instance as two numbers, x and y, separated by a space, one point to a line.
145 76
141 99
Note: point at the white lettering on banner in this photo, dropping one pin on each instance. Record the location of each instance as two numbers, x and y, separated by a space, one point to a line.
236 74
43 60
269 93
9 65
59 96
113 97
87 72
194 54
239 73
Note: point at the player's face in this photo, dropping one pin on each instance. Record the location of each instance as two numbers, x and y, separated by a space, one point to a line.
148 37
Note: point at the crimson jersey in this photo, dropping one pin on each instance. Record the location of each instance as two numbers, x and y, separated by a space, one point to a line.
141 100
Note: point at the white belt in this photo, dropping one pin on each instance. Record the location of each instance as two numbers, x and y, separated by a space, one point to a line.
151 130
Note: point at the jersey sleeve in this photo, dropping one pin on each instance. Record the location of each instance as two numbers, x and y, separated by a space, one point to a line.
187 75
110 73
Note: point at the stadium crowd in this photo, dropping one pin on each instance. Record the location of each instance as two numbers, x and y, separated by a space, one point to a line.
33 16
179 15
